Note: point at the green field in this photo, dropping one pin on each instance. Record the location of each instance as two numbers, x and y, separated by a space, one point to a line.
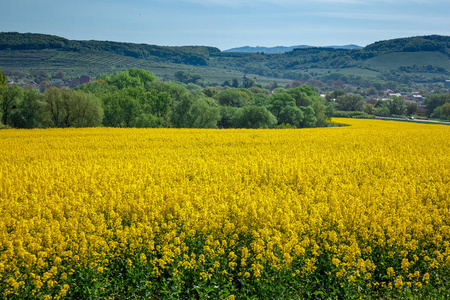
398 59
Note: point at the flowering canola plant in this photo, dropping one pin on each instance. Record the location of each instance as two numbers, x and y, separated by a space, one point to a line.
362 209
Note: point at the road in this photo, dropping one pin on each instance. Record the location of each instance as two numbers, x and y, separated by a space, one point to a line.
414 120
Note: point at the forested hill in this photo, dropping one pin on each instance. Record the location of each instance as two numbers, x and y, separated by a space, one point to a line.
199 55
192 55
417 60
414 44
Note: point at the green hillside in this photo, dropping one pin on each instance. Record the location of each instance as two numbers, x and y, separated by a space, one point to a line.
417 60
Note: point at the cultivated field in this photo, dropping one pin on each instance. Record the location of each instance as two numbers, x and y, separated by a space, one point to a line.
337 212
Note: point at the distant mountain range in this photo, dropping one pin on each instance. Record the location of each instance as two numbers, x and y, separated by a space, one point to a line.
282 49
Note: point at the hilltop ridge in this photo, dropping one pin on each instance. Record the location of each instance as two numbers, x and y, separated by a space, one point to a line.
194 55
414 60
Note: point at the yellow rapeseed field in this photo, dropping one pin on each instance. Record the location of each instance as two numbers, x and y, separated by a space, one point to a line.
366 206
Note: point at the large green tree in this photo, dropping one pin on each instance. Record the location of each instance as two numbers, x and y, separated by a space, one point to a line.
70 108
333 95
309 119
396 105
55 107
411 108
82 109
320 111
350 102
278 101
30 112
10 96
291 114
130 78
203 114
254 117
433 101
228 116
233 97
195 112
122 108
304 95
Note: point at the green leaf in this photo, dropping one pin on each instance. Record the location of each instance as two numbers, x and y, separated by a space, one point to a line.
317 293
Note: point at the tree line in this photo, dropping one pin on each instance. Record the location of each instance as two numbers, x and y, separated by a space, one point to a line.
191 55
341 104
135 98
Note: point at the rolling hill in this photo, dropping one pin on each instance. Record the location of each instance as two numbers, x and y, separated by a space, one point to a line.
416 60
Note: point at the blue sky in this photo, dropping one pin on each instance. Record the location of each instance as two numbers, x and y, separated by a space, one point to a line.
229 23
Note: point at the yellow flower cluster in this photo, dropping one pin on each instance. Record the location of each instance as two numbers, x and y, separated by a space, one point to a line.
370 198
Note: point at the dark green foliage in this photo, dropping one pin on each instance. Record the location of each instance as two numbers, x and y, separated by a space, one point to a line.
30 111
260 99
354 114
134 98
383 111
248 83
149 121
278 101
98 87
9 99
350 102
69 108
414 44
228 116
193 112
123 79
437 112
332 96
321 115
300 92
291 115
130 78
309 119
301 107
300 96
210 91
158 103
143 75
180 113
411 109
233 97
3 79
187 77
435 100
177 92
396 105
445 111
203 114
254 117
